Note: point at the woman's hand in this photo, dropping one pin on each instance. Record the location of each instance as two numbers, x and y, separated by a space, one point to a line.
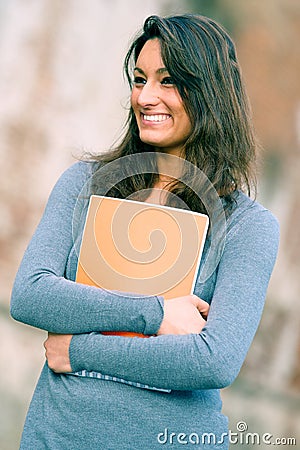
184 315
57 352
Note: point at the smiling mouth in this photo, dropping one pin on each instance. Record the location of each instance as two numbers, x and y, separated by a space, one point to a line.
155 117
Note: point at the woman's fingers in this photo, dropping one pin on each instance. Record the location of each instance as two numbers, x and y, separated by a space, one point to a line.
181 315
201 305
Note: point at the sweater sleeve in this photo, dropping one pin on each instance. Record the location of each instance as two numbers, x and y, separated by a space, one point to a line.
44 298
213 358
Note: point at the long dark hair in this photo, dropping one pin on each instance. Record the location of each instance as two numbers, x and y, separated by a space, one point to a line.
201 59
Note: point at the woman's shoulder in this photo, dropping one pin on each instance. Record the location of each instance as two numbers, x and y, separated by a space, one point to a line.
78 170
75 178
251 213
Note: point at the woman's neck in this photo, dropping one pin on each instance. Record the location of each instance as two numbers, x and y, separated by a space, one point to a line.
169 166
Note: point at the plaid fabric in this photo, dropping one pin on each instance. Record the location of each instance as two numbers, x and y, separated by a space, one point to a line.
92 374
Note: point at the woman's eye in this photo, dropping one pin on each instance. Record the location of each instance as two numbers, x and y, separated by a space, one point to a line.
139 80
168 80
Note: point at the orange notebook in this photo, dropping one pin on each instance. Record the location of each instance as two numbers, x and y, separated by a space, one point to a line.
141 248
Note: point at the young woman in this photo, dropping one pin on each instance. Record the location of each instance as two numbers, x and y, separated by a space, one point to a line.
188 104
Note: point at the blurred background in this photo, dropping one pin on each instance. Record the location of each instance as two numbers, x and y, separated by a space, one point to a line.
62 92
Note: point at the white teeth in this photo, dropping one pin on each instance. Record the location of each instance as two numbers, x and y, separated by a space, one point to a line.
156 117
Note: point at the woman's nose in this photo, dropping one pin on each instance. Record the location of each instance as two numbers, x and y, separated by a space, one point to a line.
148 96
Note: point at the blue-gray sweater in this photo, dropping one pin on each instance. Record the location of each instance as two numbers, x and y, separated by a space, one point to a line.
69 412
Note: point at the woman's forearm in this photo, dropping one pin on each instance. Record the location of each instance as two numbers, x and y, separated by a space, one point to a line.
44 298
213 358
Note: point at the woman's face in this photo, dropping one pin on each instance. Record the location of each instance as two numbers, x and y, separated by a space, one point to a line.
160 114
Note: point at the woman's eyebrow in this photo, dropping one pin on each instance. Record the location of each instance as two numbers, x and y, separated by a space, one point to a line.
161 70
